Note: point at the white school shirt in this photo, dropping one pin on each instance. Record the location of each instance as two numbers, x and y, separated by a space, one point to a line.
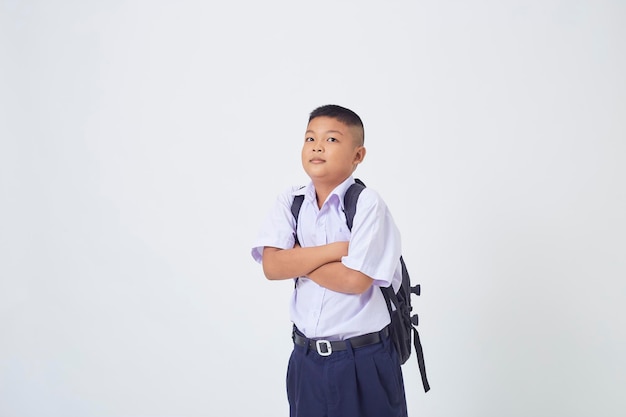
374 250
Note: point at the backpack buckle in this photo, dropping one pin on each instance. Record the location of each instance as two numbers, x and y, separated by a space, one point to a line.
328 348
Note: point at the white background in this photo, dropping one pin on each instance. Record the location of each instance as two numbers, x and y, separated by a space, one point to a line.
142 143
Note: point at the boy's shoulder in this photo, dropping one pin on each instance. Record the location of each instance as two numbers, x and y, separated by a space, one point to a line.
369 197
369 205
295 190
287 195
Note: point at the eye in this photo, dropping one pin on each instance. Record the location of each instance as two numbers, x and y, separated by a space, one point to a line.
331 140
309 139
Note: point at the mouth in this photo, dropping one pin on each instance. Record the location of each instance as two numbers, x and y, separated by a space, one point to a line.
316 160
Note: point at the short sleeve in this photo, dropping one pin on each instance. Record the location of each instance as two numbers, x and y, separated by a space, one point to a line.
278 229
375 245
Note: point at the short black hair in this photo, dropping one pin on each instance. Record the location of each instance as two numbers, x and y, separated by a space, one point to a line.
342 114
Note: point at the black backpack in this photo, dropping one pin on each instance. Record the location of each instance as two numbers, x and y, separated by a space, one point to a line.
403 324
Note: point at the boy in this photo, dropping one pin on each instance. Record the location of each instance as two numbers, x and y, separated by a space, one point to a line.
343 363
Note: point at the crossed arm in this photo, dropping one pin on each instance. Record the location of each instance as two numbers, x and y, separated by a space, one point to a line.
322 264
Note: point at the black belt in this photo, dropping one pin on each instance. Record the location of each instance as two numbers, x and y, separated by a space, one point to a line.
326 347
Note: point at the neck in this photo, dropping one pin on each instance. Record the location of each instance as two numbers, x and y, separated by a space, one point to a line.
323 190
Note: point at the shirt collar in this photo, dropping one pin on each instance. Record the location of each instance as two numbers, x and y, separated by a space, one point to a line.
309 191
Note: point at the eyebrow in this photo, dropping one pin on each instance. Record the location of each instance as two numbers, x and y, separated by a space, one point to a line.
328 131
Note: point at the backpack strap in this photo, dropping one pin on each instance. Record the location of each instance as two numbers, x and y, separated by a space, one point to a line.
417 344
350 199
296 204
295 210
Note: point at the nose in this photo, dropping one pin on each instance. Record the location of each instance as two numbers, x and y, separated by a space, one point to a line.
317 146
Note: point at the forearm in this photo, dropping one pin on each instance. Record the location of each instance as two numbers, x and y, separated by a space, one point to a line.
291 263
339 278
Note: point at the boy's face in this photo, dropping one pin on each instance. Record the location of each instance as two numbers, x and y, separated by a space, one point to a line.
331 151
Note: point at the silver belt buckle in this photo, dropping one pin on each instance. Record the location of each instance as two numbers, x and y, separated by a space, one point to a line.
328 347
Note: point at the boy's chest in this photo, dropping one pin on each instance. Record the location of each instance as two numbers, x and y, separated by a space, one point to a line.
321 226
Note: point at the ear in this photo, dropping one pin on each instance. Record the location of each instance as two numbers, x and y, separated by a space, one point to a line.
359 155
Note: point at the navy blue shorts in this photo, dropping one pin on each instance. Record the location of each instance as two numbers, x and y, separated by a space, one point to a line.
362 382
